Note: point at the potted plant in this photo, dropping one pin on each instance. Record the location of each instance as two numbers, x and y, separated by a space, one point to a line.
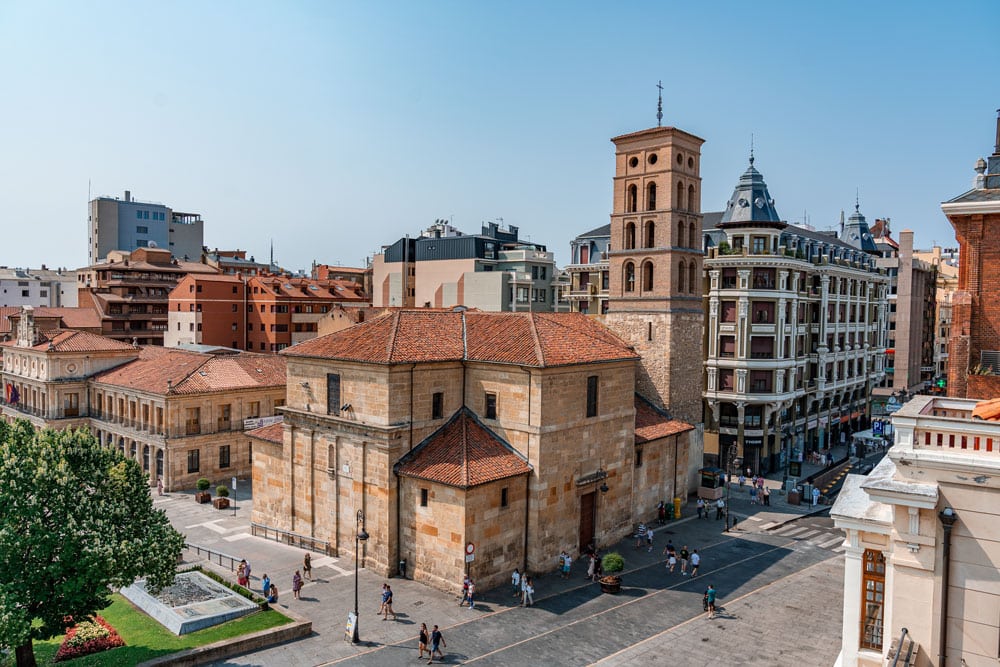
221 501
203 495
611 564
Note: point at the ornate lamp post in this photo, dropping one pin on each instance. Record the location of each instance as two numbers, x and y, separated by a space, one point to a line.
360 536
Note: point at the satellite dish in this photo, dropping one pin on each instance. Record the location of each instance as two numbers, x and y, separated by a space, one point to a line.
152 244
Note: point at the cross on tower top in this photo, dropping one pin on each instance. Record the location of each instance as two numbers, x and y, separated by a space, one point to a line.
659 104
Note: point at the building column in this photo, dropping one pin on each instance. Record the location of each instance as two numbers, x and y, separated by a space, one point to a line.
851 630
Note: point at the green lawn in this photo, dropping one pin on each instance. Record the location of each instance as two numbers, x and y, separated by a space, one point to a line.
146 639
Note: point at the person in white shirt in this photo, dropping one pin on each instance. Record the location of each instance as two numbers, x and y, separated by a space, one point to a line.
695 562
515 582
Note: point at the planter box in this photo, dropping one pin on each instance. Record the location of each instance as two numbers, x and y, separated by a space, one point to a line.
221 503
610 584
203 496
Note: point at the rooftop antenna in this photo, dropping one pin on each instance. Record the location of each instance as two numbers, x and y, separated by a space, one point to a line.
659 104
857 199
272 252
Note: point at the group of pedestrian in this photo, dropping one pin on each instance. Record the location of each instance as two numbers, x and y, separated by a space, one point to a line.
685 558
565 562
268 588
468 593
386 607
431 642
522 586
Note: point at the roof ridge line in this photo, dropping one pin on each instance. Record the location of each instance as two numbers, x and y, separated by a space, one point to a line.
391 344
465 338
465 450
539 353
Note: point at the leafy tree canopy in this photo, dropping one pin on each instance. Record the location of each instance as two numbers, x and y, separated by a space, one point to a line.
75 519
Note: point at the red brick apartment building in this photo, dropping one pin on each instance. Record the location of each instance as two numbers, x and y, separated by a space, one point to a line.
256 313
974 352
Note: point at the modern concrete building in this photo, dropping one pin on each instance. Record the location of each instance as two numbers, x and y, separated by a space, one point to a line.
922 560
493 271
974 354
128 224
795 333
912 317
518 433
945 261
40 288
589 272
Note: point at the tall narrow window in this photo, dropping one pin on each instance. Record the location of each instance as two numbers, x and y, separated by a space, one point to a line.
681 276
692 278
630 277
437 405
647 276
691 199
651 197
423 497
192 421
630 236
692 237
333 394
503 497
680 234
490 406
872 606
194 460
650 240
679 204
592 396
633 199
224 456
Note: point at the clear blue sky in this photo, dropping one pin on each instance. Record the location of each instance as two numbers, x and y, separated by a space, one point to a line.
337 127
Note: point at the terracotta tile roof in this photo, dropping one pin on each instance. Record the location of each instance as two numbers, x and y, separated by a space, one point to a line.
652 423
6 311
67 340
463 453
71 318
185 372
528 339
307 288
271 433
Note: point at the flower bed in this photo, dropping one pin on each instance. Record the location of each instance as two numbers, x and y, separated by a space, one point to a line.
86 637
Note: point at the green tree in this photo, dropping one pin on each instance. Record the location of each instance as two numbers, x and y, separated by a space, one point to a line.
75 519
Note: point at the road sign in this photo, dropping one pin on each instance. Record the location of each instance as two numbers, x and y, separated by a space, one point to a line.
470 557
470 548
349 630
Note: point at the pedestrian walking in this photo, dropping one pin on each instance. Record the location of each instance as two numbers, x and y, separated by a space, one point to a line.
381 607
159 486
387 604
815 496
591 566
472 596
296 584
766 495
265 585
307 566
743 480
661 513
422 641
529 592
640 535
684 560
671 561
720 505
246 571
515 582
524 588
700 506
241 573
649 539
710 598
667 550
437 641
753 494
695 562
567 562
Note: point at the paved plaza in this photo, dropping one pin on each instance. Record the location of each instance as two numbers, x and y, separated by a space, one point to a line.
779 577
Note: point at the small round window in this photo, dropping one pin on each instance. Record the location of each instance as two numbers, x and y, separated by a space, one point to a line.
634 162
680 159
691 162
652 158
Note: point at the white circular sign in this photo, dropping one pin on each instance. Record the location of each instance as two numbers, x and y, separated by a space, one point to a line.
470 548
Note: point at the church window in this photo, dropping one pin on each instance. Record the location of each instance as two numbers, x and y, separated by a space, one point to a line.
652 158
630 236
633 199
490 406
647 276
437 405
692 236
423 497
503 497
692 278
681 271
333 394
650 234
651 197
679 204
680 234
691 199
630 277
592 386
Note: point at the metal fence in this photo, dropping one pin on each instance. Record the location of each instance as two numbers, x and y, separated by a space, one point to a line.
224 560
290 538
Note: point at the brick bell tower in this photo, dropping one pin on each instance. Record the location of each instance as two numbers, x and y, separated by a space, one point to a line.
655 264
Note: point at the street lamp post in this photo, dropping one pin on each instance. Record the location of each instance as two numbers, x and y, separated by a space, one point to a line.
733 460
360 536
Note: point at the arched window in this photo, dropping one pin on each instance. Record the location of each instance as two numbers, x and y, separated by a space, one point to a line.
633 199
629 277
693 278
679 204
680 234
692 237
691 199
650 234
681 275
647 276
630 236
651 197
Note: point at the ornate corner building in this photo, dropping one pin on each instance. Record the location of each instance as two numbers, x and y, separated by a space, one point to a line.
795 333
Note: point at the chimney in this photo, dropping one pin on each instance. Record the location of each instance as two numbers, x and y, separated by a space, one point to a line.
128 195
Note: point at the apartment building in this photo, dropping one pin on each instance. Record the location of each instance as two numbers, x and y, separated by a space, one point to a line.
974 352
589 271
208 309
128 224
44 287
945 261
493 271
795 333
130 292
